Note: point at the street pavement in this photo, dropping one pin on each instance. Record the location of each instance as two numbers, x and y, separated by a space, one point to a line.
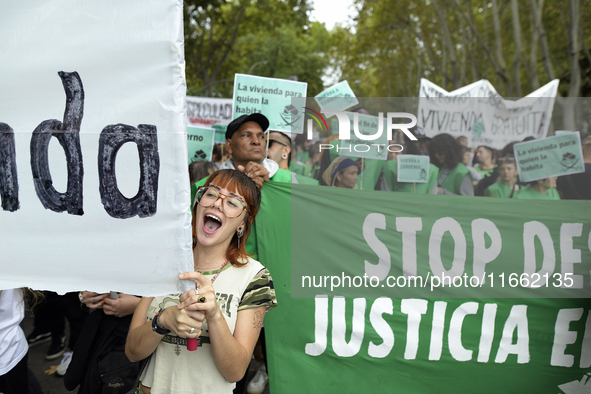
50 384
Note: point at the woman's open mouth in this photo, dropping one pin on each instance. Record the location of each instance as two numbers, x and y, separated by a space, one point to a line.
211 223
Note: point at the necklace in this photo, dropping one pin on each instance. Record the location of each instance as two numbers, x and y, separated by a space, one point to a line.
218 271
208 268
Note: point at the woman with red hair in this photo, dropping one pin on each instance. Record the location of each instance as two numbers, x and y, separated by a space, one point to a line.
226 320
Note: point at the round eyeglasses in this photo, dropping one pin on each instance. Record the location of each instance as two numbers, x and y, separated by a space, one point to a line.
232 207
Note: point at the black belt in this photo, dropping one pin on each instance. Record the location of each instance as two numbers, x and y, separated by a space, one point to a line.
173 339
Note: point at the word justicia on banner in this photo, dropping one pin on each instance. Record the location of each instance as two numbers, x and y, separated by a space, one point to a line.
344 122
428 321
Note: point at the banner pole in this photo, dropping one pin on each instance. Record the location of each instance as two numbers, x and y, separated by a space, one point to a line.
362 167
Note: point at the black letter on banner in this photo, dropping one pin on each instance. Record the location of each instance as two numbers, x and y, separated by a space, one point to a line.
68 135
8 178
111 139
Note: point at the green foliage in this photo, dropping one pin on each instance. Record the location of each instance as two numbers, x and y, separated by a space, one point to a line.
270 38
284 53
395 43
387 49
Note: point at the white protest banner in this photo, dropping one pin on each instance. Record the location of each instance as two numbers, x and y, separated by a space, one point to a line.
104 205
200 143
478 112
356 147
338 97
413 168
273 98
552 156
207 111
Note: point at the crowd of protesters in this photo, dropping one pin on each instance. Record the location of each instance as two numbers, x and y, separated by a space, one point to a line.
455 169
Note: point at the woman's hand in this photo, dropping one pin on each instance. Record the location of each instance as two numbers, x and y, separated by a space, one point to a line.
231 352
123 306
93 300
200 301
181 321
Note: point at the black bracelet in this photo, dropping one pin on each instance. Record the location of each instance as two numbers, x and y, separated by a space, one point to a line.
157 328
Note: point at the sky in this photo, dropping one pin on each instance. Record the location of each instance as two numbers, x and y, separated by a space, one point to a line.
331 11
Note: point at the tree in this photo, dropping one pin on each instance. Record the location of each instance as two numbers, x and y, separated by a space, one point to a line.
394 44
270 38
211 29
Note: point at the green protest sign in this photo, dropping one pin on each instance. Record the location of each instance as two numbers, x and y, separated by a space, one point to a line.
419 344
369 149
200 143
339 97
390 177
334 126
413 168
552 156
478 128
220 132
271 97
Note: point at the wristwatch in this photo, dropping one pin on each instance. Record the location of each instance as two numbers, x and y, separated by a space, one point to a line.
157 328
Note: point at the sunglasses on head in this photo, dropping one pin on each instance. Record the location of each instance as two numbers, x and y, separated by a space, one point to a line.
271 142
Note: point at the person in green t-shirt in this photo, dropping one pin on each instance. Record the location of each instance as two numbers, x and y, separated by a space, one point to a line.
542 189
279 149
302 144
342 172
454 177
313 160
485 157
416 147
411 147
200 169
391 179
506 184
466 160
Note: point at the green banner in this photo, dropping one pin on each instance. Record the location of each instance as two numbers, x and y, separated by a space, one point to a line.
413 168
200 143
438 246
272 97
410 345
552 156
339 97
368 149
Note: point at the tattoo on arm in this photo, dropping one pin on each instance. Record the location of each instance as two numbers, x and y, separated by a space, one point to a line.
257 320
